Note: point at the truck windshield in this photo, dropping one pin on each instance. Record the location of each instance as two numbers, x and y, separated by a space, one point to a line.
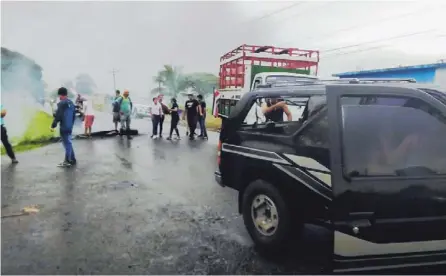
285 79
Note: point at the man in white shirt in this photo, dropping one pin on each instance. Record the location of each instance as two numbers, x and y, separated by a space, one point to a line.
89 115
155 113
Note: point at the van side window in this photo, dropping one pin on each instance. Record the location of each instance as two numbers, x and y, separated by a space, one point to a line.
392 136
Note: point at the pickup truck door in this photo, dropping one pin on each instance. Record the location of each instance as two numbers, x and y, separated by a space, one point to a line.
385 216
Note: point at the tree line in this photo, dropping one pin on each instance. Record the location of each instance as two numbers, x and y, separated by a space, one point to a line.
172 81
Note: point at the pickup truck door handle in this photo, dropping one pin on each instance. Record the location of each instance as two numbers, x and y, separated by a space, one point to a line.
360 220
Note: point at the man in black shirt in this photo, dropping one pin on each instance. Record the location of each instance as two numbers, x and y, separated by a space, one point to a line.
273 109
202 118
192 111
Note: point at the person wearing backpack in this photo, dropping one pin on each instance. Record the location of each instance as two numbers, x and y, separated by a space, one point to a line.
115 105
125 110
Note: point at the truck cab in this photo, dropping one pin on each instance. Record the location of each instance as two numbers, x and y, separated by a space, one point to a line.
365 159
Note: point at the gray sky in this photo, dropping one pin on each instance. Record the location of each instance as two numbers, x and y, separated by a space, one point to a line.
67 38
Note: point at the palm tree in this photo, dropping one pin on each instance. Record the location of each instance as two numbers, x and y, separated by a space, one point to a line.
172 79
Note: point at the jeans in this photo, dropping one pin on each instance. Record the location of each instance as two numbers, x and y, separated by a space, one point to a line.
125 123
155 122
6 144
68 146
161 124
203 131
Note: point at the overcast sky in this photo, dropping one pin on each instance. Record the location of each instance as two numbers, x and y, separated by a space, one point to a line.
68 38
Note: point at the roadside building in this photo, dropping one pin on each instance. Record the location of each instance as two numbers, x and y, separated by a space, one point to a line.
425 73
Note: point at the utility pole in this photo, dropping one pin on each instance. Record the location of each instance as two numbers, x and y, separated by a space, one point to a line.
114 71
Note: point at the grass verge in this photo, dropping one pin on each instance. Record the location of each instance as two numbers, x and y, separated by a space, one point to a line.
37 134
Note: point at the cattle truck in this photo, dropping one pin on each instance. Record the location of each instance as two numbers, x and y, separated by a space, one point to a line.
247 66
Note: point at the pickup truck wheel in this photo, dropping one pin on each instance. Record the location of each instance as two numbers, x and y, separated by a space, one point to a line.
267 217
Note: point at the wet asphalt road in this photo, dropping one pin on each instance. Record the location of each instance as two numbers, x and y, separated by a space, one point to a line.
129 207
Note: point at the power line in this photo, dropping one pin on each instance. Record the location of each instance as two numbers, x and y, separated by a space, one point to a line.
114 71
275 12
378 40
363 50
357 51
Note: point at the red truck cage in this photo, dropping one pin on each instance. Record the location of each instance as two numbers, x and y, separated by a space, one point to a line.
232 64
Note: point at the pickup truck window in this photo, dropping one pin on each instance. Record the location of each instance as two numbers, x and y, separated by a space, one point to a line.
315 134
392 136
278 110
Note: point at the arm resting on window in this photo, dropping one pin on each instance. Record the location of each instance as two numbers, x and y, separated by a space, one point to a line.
288 113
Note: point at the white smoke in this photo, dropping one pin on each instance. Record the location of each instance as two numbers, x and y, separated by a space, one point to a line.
22 88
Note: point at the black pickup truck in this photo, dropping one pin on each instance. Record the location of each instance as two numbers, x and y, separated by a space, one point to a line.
364 158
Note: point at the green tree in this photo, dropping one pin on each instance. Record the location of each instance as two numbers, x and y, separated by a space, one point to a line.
172 79
158 90
84 84
202 83
20 73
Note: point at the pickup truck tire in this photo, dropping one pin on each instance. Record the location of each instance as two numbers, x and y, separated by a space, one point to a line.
286 230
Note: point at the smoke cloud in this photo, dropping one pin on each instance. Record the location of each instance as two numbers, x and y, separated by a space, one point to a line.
22 90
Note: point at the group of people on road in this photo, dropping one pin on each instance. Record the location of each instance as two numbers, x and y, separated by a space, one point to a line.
67 111
195 112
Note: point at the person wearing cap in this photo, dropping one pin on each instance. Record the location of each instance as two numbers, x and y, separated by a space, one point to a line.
193 110
125 111
65 116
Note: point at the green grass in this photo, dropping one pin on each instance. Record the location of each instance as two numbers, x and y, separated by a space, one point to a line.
37 134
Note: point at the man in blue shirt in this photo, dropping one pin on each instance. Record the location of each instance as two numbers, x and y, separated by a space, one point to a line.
5 140
65 116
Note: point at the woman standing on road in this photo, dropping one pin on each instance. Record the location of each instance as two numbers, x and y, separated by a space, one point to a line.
175 118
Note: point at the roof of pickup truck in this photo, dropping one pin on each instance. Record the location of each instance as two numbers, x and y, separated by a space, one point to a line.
320 87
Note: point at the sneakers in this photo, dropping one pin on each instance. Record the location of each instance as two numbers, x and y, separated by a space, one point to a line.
154 137
14 161
64 164
169 138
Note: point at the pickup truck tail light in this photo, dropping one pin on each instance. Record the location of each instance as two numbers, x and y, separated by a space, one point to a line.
219 152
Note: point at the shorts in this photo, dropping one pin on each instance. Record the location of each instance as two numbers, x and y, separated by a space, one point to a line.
89 119
116 117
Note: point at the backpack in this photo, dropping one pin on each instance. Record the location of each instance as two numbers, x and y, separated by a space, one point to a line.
117 104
